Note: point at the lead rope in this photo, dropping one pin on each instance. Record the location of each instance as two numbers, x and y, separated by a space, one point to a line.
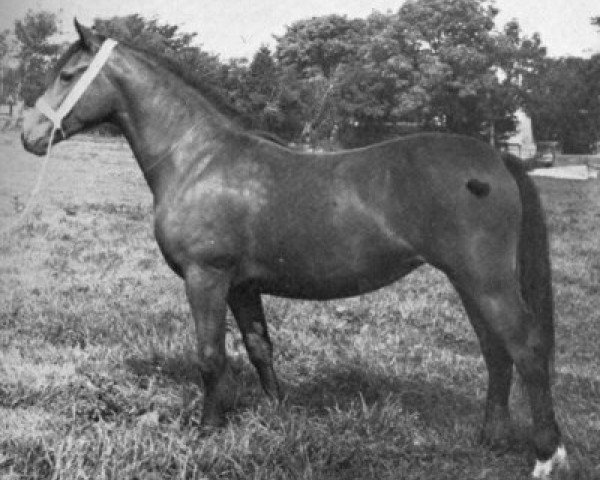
38 183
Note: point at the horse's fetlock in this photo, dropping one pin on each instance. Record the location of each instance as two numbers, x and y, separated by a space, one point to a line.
546 440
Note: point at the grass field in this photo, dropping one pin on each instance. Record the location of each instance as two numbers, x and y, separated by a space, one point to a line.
98 376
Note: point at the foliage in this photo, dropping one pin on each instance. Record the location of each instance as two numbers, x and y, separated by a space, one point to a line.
4 47
256 90
563 99
433 64
4 50
149 34
36 51
318 45
564 102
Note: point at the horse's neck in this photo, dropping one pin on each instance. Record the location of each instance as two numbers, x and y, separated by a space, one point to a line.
167 123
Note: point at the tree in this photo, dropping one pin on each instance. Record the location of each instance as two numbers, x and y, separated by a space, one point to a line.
434 64
4 49
261 92
459 55
314 56
149 34
318 45
259 89
36 52
564 102
563 99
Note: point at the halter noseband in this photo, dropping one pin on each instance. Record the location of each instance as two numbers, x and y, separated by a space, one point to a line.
80 87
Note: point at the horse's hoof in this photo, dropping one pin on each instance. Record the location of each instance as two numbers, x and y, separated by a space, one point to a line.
498 437
275 394
558 462
211 423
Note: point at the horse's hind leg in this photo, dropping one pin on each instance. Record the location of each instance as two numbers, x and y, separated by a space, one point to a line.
246 306
496 431
503 312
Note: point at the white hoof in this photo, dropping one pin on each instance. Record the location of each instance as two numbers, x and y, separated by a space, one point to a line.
543 470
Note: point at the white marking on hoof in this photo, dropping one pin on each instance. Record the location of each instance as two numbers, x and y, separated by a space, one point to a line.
543 470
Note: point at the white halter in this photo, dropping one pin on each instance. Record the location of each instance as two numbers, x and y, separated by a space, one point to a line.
80 87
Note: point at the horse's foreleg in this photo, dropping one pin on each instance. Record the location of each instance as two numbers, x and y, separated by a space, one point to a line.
207 292
246 305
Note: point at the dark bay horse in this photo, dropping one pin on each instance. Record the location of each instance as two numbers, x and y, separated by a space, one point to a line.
237 216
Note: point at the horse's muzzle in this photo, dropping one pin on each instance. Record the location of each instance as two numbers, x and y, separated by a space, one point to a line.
37 147
37 131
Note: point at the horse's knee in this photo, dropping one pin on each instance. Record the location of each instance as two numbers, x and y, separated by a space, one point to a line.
532 357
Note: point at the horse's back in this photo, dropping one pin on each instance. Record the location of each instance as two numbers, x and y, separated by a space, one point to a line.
357 220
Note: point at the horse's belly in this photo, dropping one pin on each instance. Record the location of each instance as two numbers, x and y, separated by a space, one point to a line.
329 280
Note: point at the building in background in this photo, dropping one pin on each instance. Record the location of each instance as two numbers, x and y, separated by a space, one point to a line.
521 143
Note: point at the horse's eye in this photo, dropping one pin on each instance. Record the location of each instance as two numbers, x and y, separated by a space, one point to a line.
66 76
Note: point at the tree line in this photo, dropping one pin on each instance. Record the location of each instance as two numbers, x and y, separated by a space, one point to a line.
346 82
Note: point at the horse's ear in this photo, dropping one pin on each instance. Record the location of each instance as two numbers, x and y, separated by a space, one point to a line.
87 37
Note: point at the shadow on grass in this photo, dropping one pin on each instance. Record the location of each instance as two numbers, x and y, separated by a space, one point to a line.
180 369
340 386
334 386
439 406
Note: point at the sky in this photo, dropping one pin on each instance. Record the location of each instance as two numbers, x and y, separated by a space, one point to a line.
236 28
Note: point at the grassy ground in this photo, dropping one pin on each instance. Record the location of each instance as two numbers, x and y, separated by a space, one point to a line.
98 377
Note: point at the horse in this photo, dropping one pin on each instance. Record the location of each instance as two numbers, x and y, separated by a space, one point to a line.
237 216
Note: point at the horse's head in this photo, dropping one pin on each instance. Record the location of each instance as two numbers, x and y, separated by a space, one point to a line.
69 102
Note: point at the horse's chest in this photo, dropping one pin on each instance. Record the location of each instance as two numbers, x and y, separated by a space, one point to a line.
198 233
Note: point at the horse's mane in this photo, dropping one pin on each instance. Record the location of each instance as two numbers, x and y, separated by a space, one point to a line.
202 85
199 83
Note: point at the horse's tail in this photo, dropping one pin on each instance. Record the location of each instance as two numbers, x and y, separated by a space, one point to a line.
534 255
